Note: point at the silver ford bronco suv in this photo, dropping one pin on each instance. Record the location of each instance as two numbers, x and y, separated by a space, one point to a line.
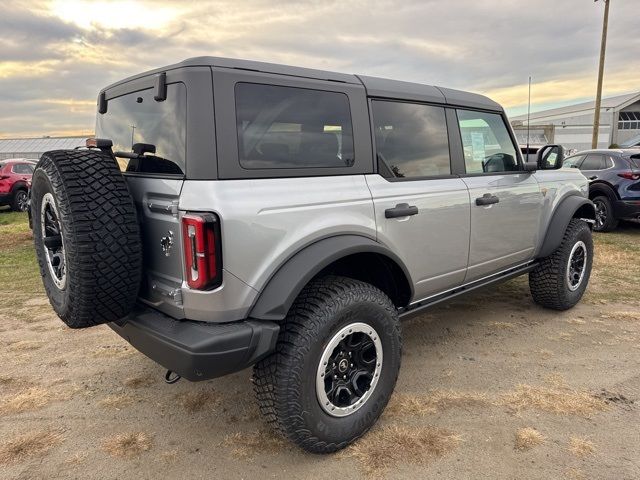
234 213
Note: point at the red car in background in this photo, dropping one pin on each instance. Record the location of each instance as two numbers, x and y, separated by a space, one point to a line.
15 182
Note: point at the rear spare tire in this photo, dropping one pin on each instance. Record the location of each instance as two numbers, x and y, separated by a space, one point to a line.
86 236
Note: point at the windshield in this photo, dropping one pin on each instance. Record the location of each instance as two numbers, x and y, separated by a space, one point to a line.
136 118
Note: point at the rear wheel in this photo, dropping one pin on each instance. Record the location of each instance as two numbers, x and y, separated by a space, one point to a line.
86 236
559 281
335 365
605 221
20 201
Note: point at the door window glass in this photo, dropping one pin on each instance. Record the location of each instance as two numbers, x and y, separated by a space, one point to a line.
593 162
573 162
287 127
23 169
411 139
488 147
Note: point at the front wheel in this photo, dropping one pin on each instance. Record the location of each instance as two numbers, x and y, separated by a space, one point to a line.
335 366
559 281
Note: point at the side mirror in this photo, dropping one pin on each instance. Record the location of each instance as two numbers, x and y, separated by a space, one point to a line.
550 157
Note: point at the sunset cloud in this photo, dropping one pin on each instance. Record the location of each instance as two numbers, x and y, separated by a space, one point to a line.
56 55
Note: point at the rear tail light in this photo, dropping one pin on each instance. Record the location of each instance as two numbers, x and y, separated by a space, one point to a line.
630 175
202 250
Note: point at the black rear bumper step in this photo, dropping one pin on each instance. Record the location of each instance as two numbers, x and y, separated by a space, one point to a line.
197 350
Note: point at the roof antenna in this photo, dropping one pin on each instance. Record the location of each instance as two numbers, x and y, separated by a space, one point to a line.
528 118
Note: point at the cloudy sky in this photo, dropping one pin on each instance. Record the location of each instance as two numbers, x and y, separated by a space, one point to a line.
56 55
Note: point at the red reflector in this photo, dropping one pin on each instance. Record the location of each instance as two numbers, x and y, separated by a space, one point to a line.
630 175
202 252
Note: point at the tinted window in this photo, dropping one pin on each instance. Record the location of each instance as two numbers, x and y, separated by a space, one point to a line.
286 127
137 118
593 162
573 162
488 147
635 161
23 169
411 139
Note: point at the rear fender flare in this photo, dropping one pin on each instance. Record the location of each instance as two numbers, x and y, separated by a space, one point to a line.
283 287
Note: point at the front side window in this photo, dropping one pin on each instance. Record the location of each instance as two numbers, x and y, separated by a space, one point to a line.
137 123
23 169
573 162
488 147
411 139
287 127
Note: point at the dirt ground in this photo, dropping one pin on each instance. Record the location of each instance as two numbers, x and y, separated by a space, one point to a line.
491 386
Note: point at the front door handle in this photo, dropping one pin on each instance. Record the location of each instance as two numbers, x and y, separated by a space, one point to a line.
401 210
487 199
593 177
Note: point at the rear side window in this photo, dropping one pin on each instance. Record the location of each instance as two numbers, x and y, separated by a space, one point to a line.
411 139
488 147
136 119
593 162
635 161
573 162
286 127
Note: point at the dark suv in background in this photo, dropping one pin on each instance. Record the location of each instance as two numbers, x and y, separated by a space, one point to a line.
614 184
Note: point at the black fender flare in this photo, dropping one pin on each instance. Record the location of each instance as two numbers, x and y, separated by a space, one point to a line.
19 185
603 188
287 282
560 219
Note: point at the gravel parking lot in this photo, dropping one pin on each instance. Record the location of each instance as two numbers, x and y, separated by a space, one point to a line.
492 386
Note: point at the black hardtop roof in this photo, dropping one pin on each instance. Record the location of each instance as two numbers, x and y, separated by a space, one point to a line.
376 87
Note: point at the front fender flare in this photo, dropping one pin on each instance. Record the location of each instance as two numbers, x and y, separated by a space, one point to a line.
283 287
559 222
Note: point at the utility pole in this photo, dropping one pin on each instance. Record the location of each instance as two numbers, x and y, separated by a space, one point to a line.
133 131
603 47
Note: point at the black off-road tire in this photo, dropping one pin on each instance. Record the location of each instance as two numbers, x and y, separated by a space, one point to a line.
548 281
19 200
610 222
102 249
285 382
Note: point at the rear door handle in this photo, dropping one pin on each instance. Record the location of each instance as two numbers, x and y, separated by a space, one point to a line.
487 199
401 210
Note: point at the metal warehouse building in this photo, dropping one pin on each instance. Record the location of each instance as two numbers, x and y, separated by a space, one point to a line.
34 147
572 126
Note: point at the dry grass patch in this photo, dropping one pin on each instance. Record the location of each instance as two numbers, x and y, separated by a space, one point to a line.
127 444
411 404
31 399
554 400
581 447
386 447
527 438
502 325
137 382
622 315
246 445
116 401
196 401
25 345
28 445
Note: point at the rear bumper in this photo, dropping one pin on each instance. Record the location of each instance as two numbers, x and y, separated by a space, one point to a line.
197 350
627 209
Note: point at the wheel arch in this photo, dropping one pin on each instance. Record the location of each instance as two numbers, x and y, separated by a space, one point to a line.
573 206
601 188
20 185
352 256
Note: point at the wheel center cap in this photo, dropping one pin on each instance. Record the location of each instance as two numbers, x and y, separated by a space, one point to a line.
343 365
